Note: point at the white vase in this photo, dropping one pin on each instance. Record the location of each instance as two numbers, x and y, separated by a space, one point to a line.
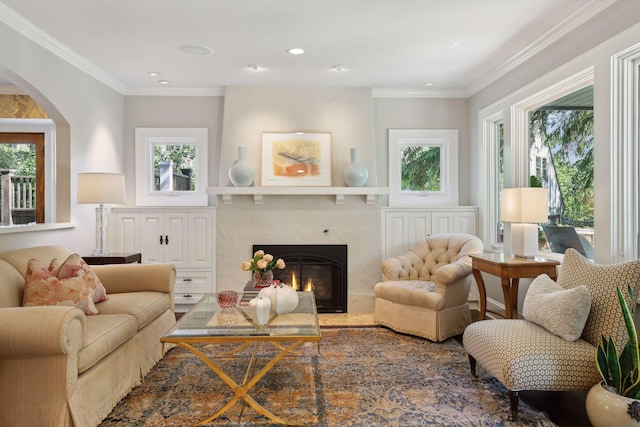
606 409
241 174
356 174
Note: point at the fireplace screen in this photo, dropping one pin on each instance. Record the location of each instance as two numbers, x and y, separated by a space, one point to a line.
321 269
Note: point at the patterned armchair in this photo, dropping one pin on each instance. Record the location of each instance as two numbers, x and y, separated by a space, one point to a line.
425 291
525 356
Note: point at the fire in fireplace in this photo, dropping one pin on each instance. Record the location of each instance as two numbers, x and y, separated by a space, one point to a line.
321 269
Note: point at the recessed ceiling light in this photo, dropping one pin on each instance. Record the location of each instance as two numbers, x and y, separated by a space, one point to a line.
164 82
337 68
192 49
429 83
296 51
254 67
154 73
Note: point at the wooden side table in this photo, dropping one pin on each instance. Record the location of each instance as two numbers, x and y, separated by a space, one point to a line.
113 258
510 271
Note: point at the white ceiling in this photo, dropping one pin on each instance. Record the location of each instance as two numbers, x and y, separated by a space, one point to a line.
460 45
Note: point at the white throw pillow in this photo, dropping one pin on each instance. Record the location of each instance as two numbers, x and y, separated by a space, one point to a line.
562 312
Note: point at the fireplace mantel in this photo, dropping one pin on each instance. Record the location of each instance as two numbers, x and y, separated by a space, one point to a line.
258 192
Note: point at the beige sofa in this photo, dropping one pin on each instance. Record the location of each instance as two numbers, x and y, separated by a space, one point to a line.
59 367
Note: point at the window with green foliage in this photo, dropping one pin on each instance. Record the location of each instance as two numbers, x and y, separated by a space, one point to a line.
180 163
423 167
561 159
420 169
21 178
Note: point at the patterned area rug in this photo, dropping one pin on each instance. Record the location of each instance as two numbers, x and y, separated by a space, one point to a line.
361 377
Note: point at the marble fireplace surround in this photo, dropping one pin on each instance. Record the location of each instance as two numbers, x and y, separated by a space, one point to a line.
347 113
356 225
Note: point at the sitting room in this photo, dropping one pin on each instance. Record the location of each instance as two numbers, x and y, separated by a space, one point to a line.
149 151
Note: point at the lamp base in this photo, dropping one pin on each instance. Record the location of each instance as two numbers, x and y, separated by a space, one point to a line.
101 232
524 240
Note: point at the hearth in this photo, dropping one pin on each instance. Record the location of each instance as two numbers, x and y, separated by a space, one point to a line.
318 268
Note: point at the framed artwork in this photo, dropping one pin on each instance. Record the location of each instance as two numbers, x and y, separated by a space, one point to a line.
296 159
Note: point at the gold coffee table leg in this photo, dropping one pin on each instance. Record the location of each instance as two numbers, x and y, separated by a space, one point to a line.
241 391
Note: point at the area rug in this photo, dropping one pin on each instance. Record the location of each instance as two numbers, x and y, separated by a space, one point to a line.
360 377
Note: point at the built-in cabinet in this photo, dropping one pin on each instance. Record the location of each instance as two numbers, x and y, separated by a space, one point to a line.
404 227
184 237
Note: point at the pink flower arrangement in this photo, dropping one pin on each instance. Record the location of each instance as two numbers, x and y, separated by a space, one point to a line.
262 262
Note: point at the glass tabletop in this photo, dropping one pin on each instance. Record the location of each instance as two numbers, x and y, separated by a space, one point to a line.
208 320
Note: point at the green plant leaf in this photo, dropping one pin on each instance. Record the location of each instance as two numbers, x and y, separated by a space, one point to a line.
629 357
614 366
601 361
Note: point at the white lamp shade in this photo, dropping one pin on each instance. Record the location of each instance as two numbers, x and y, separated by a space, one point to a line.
524 205
101 188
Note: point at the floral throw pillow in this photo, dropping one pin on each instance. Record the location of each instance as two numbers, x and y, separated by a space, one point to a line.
42 287
75 266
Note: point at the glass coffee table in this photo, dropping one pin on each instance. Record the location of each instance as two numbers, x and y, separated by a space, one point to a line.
207 322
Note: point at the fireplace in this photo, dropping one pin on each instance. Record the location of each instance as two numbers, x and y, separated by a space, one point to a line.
318 268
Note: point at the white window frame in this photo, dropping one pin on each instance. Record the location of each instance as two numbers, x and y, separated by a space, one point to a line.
516 147
447 140
146 138
625 156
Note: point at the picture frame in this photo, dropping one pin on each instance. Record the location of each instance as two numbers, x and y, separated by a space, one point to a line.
296 159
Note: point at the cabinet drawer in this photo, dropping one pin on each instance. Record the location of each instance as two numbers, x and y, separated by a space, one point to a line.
190 282
187 300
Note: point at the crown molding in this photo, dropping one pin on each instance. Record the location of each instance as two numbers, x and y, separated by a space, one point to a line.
27 29
11 90
170 91
418 93
558 31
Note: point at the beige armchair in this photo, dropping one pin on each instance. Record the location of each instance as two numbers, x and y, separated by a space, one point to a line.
533 353
425 290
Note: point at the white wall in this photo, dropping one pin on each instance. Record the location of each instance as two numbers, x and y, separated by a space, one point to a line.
172 112
89 120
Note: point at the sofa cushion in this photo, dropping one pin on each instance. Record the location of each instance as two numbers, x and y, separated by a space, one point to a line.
105 333
144 306
75 266
410 292
42 287
562 312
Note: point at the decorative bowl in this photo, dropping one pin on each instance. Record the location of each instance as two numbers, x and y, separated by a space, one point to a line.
227 299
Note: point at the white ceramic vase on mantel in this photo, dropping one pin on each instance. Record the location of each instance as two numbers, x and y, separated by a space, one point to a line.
240 173
356 174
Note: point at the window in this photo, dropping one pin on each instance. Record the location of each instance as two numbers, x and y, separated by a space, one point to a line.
423 167
561 159
171 167
511 143
22 183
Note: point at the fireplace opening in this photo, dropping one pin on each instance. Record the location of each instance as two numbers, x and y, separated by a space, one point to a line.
321 269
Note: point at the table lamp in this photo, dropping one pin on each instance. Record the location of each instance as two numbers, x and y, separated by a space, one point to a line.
101 188
524 208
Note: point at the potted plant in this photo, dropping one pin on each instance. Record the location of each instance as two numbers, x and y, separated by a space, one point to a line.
615 400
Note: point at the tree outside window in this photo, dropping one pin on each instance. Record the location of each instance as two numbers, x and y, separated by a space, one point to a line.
561 159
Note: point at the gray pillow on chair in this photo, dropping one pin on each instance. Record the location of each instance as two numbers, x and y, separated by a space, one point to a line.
562 312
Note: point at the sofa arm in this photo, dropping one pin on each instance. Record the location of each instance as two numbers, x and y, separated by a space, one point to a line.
449 273
118 278
40 331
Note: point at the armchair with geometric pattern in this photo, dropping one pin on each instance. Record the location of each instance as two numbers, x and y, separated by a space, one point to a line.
531 354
